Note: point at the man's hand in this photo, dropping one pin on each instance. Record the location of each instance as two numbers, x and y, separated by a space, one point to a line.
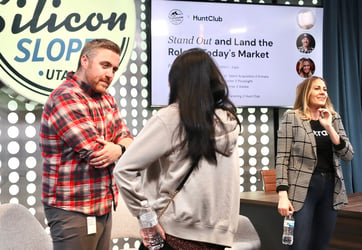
107 155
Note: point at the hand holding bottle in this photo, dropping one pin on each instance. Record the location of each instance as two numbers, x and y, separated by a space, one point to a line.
150 228
284 204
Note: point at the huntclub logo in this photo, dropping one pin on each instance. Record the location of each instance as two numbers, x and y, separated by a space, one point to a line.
41 39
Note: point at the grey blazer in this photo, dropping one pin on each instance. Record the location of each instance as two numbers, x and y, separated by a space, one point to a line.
297 158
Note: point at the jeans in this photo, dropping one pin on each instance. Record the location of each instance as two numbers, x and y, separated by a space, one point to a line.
315 222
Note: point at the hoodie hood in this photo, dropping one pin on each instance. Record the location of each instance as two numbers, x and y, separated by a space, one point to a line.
226 131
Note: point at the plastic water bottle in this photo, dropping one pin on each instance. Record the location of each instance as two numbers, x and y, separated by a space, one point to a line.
288 230
148 220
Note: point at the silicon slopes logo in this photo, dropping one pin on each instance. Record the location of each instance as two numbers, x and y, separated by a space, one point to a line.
41 40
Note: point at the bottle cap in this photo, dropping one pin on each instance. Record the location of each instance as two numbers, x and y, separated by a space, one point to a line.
144 203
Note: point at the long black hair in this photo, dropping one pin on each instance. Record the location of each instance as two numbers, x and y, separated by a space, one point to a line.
199 88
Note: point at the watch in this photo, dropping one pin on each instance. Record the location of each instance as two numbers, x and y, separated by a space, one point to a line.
123 148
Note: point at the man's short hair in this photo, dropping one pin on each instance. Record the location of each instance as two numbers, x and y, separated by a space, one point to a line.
95 44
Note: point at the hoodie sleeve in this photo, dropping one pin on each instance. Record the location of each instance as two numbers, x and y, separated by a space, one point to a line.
152 142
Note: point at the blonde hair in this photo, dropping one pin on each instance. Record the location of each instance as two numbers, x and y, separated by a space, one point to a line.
301 71
301 104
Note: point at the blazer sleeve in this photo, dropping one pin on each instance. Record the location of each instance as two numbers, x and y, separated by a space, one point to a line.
284 144
346 152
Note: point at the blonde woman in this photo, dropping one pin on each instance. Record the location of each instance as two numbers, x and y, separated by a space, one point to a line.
305 68
311 140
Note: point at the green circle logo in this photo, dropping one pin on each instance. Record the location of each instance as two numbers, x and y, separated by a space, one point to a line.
41 40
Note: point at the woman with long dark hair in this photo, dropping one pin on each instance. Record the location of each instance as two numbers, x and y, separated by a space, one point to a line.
198 128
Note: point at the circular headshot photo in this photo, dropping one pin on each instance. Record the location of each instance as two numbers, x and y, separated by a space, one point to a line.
305 43
305 67
306 19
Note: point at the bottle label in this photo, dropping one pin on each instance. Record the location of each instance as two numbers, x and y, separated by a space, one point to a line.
288 223
148 219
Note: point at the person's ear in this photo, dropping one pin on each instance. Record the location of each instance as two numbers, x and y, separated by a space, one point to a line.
84 61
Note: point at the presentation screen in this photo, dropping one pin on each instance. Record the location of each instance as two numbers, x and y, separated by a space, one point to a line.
263 51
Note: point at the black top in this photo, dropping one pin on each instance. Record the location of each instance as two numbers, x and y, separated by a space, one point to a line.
324 148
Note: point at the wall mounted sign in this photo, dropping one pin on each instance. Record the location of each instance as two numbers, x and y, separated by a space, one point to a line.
41 40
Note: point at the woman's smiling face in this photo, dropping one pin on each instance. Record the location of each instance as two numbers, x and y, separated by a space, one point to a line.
318 94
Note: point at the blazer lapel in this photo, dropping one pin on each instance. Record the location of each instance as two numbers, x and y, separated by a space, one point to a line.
308 129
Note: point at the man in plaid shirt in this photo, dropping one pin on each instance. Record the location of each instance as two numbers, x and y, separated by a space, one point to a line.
82 136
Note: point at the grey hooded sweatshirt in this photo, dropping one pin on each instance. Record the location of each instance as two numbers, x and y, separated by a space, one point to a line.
207 207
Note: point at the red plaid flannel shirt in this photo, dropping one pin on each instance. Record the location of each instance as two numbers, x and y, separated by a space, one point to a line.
73 118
